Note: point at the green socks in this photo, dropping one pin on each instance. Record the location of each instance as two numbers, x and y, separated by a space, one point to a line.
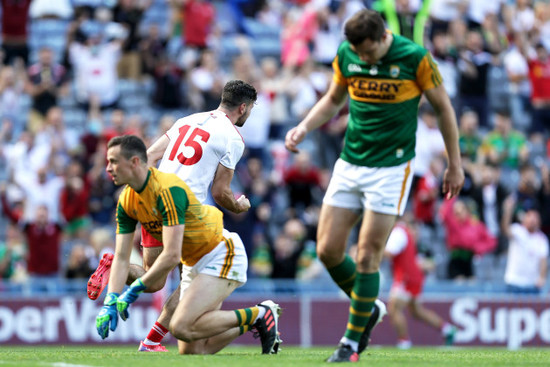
364 293
344 274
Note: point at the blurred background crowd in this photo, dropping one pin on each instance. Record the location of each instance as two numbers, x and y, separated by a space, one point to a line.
75 73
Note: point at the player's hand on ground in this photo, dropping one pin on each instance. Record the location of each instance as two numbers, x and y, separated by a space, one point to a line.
453 179
294 137
108 316
129 297
244 203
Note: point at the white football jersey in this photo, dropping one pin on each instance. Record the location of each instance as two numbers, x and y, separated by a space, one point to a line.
198 143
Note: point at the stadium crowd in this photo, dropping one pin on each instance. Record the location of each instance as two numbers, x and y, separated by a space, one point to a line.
75 73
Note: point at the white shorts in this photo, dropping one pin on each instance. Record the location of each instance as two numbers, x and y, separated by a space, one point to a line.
380 189
228 260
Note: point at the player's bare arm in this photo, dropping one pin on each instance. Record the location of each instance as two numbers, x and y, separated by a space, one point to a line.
121 262
156 150
326 108
453 178
169 258
222 193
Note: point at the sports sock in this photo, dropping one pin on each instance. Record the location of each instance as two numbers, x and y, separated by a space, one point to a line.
156 334
344 274
248 316
364 293
243 329
446 328
352 343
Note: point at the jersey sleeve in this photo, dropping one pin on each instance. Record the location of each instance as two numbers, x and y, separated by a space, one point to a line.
173 203
233 153
124 223
427 73
337 76
397 241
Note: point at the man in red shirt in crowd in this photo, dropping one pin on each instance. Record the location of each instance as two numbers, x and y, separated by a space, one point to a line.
539 75
14 30
198 16
43 239
408 279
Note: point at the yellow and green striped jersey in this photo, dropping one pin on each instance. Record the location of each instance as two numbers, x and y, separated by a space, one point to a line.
166 200
384 101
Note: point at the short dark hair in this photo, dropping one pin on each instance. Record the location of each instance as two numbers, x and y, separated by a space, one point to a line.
236 92
365 24
130 146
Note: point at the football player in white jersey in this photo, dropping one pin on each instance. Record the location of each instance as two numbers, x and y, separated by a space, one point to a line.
203 150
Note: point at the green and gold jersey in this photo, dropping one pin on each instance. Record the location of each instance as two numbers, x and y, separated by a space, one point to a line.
384 101
165 200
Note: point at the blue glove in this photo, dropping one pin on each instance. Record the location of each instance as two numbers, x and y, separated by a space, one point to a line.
107 315
128 297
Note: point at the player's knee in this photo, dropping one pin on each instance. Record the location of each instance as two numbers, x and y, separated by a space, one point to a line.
182 331
329 256
155 287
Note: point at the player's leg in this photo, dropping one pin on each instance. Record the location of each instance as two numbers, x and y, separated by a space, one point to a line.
152 248
429 317
341 209
197 315
385 192
333 231
398 302
198 320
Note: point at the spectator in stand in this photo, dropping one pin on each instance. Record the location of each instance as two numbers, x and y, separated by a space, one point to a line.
42 188
470 139
43 237
429 142
78 266
504 145
95 71
47 81
206 82
12 254
530 194
102 243
46 9
426 193
527 264
302 179
466 237
14 30
168 79
12 83
74 202
129 13
103 192
473 66
198 22
287 248
489 195
408 280
539 75
445 58
517 71
152 49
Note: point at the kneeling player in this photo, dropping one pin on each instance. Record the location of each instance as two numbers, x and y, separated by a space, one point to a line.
170 212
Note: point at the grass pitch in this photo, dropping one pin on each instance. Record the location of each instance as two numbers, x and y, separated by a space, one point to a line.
75 356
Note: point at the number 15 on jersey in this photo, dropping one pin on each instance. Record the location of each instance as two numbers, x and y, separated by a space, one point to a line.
193 142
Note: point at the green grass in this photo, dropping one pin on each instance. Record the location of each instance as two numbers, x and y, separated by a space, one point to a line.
74 356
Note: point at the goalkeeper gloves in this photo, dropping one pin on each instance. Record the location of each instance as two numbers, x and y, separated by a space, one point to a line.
107 317
128 297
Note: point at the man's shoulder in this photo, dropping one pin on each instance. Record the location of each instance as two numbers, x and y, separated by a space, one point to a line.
403 47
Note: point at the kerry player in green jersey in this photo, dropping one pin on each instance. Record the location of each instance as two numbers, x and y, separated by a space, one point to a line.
384 76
